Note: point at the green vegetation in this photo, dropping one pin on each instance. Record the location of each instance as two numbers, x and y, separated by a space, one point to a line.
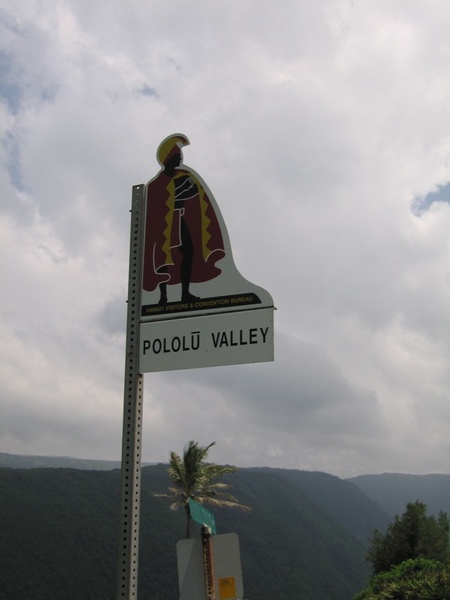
414 579
413 535
411 560
192 477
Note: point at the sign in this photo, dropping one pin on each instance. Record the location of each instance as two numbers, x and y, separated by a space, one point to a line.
220 339
227 588
188 271
201 515
227 576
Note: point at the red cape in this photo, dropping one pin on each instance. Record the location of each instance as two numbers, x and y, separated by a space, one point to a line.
162 258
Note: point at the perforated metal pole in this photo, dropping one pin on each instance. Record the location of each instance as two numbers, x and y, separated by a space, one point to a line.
132 414
208 563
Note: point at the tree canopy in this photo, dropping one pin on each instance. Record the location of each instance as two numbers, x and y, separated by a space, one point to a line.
413 535
193 477
414 579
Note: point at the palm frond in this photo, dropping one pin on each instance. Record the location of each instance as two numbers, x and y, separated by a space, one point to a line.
194 478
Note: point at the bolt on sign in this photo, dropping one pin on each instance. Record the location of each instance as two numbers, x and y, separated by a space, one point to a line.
197 310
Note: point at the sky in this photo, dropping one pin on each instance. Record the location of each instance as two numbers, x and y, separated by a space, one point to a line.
323 131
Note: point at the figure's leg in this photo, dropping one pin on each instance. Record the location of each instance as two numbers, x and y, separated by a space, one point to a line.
163 289
163 293
187 251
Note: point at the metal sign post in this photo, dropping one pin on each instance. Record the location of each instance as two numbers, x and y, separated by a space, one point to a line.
132 415
208 563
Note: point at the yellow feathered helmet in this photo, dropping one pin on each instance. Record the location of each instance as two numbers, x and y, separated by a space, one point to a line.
170 146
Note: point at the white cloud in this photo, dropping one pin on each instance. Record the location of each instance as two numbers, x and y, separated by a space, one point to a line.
317 126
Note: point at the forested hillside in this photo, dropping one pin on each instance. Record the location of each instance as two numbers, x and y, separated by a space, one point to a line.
14 461
392 491
302 540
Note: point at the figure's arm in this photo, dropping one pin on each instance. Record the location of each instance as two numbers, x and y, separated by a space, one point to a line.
185 188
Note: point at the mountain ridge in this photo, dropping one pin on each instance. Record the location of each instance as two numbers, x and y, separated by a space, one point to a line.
306 537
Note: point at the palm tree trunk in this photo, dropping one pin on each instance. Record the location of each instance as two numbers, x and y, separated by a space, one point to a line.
188 521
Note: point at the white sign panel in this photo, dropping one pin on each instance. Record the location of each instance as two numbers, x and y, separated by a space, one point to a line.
188 264
188 274
207 341
228 583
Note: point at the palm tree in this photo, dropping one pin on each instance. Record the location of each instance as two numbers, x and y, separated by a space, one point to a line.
194 478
